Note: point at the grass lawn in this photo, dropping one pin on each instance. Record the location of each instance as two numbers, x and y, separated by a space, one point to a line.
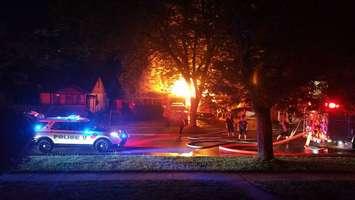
118 163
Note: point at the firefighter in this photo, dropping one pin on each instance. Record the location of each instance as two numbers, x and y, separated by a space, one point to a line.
182 123
243 125
284 126
230 124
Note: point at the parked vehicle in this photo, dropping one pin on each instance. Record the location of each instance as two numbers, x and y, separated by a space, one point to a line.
75 130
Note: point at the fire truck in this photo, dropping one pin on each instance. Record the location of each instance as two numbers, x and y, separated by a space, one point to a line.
331 126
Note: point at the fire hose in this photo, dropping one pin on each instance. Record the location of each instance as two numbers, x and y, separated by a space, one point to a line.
231 147
230 144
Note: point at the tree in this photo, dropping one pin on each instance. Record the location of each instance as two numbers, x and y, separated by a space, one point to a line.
274 51
192 34
274 59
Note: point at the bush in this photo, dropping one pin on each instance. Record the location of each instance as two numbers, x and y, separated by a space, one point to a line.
15 136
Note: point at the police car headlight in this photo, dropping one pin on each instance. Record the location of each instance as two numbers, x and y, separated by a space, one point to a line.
123 135
114 134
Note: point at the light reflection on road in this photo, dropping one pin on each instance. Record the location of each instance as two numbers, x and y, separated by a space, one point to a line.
170 145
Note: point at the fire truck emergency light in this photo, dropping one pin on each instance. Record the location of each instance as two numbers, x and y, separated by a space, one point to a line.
331 105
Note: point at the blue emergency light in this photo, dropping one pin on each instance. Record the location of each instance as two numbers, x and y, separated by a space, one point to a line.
69 117
73 117
123 135
87 131
37 127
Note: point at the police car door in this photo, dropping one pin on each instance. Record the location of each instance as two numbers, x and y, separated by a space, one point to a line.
83 135
87 134
66 133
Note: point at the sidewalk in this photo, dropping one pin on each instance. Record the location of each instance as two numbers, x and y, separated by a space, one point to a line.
305 185
178 185
166 185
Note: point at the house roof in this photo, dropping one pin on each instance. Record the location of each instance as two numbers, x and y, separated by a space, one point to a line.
99 86
82 81
73 89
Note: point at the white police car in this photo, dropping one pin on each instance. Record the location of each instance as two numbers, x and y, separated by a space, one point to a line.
75 130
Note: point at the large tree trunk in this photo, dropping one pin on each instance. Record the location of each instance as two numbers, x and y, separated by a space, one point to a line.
193 111
264 133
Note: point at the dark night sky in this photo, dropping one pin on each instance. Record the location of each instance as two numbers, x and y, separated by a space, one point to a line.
327 25
333 18
24 15
320 29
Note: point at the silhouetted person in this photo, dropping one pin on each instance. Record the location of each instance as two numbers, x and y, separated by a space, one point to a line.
182 124
243 125
230 124
284 128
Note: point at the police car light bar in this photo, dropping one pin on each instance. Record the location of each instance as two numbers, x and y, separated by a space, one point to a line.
73 117
70 117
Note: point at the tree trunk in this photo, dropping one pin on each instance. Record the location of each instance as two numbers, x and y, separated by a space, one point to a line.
264 133
193 111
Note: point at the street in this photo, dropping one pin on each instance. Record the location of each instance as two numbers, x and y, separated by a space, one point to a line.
159 144
155 140
169 145
149 138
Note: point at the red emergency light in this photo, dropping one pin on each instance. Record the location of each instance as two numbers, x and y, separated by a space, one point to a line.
331 105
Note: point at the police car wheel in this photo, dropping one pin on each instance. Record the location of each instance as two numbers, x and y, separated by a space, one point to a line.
45 146
102 145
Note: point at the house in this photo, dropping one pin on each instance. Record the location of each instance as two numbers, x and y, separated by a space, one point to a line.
72 95
74 99
97 99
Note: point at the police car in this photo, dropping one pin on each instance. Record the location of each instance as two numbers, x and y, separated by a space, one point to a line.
75 130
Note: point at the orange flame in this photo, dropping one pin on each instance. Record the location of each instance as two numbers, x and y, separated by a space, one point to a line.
181 88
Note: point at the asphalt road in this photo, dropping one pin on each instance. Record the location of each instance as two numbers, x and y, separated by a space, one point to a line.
166 144
148 144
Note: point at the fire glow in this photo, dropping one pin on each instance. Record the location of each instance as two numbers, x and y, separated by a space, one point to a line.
181 88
